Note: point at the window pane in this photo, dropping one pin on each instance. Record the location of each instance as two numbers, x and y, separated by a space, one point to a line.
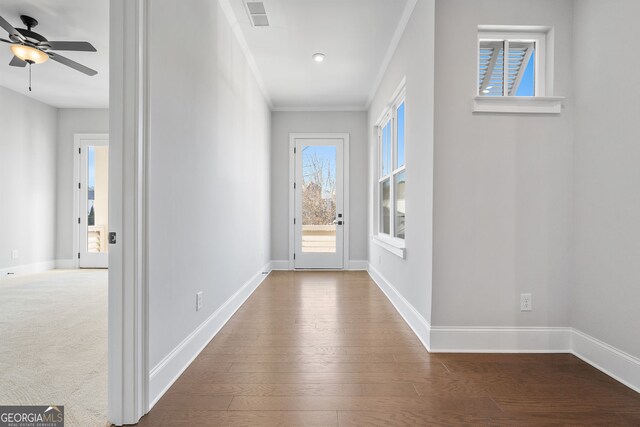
400 184
318 198
522 69
491 68
385 196
386 150
400 137
383 151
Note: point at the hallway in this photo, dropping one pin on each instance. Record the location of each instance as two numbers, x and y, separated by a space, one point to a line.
328 349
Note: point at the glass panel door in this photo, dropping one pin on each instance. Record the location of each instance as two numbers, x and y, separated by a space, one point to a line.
318 198
94 204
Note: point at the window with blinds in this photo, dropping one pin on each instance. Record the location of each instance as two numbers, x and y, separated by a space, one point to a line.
509 64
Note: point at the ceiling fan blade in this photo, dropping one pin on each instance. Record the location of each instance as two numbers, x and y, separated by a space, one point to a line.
6 41
73 64
9 29
75 46
17 62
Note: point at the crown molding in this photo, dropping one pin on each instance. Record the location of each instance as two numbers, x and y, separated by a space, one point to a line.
244 46
391 50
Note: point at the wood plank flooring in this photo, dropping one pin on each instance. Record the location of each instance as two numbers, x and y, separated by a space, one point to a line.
328 349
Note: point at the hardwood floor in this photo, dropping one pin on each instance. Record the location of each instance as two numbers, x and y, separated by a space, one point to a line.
328 349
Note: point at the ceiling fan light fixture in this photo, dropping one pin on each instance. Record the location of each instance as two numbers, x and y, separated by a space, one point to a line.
29 54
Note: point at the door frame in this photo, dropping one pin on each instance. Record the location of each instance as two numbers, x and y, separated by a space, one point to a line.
128 347
77 144
346 200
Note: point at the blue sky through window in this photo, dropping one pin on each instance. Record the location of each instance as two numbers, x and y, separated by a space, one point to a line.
527 84
386 149
400 136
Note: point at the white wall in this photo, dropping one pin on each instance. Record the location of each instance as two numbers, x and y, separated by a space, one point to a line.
414 59
209 159
352 122
39 215
27 181
502 220
606 176
70 122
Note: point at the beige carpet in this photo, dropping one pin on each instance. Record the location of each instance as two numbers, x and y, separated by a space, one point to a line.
53 343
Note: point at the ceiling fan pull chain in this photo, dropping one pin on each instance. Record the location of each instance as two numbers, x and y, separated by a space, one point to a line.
29 77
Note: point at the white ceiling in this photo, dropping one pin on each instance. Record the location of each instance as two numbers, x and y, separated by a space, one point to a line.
53 83
355 35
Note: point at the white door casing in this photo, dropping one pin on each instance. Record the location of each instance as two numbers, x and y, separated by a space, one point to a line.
128 397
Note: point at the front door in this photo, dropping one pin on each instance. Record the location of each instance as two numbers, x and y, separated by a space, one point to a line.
93 218
319 214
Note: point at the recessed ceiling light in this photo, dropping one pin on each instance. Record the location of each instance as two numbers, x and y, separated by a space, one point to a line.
318 57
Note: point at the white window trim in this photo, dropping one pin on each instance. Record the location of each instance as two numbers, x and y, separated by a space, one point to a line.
389 242
518 104
543 102
392 244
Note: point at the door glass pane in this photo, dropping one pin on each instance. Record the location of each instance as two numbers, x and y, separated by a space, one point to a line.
401 209
400 137
385 194
97 192
319 198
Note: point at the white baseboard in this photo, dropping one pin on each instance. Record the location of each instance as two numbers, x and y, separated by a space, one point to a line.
614 362
500 339
354 265
165 373
18 270
358 265
280 265
414 319
66 264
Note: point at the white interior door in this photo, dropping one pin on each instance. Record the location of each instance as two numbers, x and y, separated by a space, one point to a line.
319 203
93 215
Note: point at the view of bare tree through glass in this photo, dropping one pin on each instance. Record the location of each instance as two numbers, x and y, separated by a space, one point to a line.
319 199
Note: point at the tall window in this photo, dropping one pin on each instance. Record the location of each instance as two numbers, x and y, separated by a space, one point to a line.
391 171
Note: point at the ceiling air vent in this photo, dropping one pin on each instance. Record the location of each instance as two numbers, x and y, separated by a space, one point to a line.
257 13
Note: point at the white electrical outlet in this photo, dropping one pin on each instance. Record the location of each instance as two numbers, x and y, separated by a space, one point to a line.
14 254
525 302
199 301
